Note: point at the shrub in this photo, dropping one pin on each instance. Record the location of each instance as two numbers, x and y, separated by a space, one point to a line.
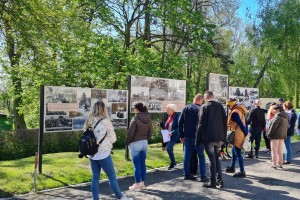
18 144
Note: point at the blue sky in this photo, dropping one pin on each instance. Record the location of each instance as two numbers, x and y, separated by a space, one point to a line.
250 4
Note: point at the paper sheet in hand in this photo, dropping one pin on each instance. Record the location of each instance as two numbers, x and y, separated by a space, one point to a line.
165 135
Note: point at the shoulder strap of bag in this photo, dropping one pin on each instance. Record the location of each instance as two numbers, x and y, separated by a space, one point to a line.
105 133
97 123
103 138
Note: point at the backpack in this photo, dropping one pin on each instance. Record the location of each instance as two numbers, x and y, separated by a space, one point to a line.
87 144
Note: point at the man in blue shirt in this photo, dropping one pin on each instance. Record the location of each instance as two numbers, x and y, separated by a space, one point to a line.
187 129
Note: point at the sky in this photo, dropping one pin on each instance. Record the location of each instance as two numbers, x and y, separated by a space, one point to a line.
252 5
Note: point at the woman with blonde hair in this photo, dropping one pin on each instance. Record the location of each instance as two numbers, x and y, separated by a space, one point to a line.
269 116
102 159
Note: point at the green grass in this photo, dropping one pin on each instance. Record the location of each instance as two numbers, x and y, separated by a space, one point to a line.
61 169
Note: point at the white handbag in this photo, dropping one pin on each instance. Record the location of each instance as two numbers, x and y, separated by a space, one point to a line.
247 144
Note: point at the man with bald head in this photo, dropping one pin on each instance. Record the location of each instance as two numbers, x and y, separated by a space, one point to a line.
257 122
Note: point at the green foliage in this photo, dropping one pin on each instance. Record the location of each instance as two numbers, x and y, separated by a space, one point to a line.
24 143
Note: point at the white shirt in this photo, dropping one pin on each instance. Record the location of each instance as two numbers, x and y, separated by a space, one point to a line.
105 147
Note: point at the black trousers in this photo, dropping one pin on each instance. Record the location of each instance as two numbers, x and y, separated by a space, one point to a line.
194 163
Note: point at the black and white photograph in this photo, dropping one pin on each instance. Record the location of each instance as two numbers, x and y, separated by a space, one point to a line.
159 89
72 105
54 123
55 112
140 81
119 123
155 106
139 93
159 93
176 91
84 99
60 95
244 95
98 94
218 84
118 107
78 123
117 95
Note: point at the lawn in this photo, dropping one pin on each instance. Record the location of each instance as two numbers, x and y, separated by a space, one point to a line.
61 169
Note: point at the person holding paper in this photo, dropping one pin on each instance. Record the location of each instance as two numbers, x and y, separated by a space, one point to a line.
139 133
170 124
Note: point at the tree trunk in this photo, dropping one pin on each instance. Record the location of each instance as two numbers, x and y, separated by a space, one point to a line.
14 58
147 36
262 72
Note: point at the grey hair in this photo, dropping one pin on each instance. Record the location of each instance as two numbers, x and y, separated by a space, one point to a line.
172 106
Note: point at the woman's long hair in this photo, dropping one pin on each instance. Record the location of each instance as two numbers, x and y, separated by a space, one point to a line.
100 111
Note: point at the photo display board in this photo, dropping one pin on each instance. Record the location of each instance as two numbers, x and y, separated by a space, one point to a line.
218 84
157 93
67 108
244 95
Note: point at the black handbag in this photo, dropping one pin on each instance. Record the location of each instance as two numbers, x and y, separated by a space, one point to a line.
230 137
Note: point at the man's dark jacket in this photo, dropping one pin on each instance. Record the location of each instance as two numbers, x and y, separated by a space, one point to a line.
257 118
292 122
188 121
212 124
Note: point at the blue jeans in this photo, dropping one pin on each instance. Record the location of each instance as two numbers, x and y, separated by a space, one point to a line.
107 165
288 155
237 154
212 149
169 148
256 135
189 146
138 152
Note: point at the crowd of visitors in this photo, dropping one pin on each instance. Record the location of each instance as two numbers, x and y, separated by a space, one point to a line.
201 126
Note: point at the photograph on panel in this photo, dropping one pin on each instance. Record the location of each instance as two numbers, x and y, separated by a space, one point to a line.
57 123
84 99
117 95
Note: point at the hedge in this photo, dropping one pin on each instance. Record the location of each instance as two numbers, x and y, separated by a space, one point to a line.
18 144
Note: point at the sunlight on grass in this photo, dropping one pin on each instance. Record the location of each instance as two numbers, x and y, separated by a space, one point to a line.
61 169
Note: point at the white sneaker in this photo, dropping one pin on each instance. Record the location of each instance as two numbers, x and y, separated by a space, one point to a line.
142 185
135 186
124 197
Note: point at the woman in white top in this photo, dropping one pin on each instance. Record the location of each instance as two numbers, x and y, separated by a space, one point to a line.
102 159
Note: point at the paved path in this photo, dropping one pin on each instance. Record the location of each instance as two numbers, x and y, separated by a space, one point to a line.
262 182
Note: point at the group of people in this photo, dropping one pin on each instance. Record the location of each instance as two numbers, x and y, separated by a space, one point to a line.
199 127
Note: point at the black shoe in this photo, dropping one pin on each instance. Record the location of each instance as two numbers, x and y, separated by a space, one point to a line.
171 166
249 156
219 184
191 178
240 175
209 185
204 179
286 163
229 170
